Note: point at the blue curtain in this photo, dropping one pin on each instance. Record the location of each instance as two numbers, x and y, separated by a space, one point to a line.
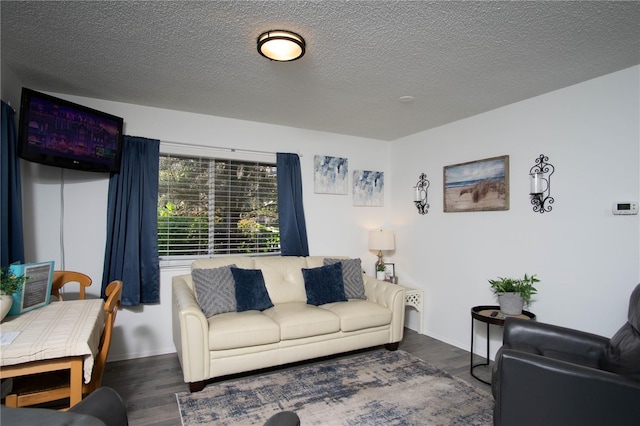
12 248
293 229
131 253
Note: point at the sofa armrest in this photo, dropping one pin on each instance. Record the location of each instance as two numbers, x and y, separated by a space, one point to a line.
543 338
390 296
537 390
190 331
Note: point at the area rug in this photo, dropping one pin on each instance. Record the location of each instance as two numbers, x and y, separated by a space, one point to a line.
374 388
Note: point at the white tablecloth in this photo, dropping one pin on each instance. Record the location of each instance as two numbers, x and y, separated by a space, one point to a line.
60 329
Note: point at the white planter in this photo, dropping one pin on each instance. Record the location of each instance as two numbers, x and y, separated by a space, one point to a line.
510 303
5 305
380 275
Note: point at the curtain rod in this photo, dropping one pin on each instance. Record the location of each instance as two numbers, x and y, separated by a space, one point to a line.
220 148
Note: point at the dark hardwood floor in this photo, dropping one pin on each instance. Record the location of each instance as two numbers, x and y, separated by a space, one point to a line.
148 385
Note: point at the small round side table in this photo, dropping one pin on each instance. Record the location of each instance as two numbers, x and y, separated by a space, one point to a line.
489 314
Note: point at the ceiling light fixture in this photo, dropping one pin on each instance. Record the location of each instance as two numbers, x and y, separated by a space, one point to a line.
281 45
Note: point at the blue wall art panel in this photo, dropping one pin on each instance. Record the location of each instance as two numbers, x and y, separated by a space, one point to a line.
368 188
330 175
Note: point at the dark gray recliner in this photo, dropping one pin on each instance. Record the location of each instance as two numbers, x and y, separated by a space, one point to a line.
103 407
550 375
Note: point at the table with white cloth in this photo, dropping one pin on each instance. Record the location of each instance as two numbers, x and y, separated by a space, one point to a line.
61 335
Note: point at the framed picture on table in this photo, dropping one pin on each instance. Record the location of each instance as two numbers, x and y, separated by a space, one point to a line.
36 291
390 272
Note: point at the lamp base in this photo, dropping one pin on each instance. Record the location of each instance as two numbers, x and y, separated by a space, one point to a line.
380 262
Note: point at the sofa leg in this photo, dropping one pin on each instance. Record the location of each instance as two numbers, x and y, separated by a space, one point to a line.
392 346
196 386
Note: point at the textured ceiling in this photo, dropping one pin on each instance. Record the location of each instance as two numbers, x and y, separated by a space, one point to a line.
456 59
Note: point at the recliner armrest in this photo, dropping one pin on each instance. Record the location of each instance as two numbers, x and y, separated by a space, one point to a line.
544 338
537 390
105 404
103 407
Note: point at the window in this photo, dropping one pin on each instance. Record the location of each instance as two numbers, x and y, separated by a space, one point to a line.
210 206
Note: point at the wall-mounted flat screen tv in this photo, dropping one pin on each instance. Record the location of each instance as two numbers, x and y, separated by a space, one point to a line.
60 133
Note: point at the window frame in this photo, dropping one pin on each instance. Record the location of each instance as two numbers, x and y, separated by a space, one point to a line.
215 153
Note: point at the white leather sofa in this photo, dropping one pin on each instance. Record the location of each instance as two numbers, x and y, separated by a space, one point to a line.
290 331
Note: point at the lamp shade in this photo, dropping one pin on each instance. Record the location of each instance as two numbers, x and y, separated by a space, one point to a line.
281 45
381 240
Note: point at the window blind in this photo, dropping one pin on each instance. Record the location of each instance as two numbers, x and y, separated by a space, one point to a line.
209 206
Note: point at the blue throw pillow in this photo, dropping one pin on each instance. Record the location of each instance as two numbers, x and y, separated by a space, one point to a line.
251 292
324 284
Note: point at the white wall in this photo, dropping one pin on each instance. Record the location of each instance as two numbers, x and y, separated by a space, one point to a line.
72 203
587 259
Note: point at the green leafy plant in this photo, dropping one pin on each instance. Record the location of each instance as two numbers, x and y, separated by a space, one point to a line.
524 287
9 283
380 267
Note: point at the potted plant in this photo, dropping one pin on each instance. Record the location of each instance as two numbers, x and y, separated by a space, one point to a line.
380 271
9 284
513 294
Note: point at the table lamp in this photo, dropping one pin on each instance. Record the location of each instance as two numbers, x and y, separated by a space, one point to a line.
381 240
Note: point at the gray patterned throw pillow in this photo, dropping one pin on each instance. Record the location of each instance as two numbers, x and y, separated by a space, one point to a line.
351 276
215 290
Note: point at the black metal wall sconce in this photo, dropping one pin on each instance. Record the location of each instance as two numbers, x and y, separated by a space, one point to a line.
420 197
540 184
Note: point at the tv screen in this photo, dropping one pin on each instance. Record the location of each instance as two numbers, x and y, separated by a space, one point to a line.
60 133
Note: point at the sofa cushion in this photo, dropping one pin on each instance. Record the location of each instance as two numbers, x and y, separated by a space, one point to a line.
298 320
359 314
324 284
241 329
317 261
351 277
215 290
245 262
283 277
251 293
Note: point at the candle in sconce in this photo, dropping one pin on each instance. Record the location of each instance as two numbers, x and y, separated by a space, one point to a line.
418 194
535 183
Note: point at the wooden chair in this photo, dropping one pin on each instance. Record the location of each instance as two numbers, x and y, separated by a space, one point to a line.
54 386
60 278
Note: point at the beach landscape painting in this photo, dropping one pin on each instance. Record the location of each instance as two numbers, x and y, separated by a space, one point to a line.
330 175
480 185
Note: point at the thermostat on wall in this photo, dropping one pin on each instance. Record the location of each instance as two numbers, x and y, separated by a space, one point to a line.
625 207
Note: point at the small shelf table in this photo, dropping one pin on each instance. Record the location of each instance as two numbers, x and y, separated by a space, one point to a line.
489 314
414 298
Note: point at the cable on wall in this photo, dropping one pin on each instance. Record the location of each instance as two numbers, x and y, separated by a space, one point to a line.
61 219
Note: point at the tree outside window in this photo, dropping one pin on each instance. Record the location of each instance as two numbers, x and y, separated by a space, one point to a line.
212 207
